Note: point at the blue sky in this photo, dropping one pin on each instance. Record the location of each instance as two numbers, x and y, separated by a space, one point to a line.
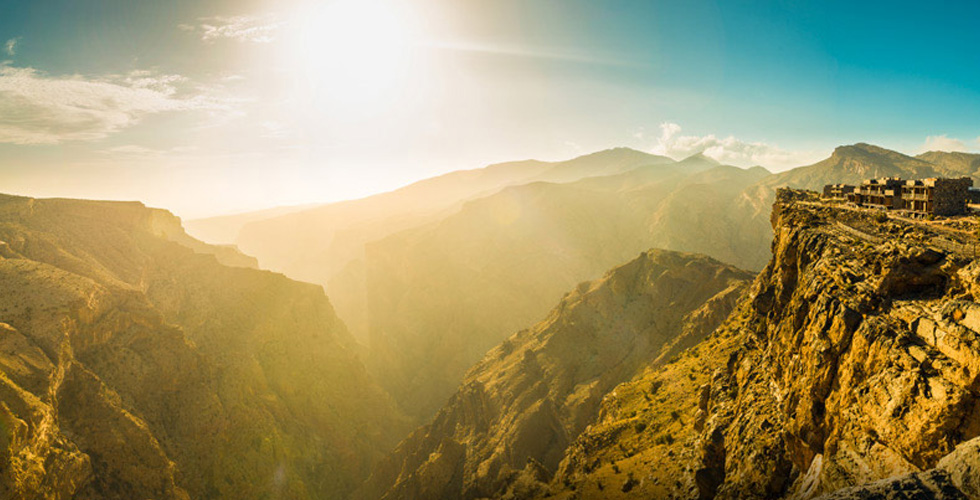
216 106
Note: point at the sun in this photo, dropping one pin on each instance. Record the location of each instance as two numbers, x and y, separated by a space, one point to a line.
352 55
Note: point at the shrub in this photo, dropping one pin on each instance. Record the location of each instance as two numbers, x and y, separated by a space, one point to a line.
629 483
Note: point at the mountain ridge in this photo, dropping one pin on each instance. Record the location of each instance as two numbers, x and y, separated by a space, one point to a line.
137 367
529 396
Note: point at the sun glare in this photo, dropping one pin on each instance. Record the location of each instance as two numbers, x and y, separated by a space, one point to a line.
353 54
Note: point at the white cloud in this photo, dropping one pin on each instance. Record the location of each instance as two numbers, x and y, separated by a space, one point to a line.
944 143
36 108
254 29
10 47
729 150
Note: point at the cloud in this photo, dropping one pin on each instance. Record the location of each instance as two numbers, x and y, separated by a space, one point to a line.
10 47
36 108
944 143
252 29
729 150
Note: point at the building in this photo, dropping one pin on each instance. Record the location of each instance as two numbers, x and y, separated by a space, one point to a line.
837 191
939 196
935 196
973 196
885 193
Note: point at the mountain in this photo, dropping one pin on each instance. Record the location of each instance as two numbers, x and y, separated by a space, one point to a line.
341 224
533 394
852 164
442 294
698 161
318 244
224 229
848 369
599 164
954 163
433 275
134 364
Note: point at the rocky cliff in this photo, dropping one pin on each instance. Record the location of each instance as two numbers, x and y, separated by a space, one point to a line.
849 369
519 408
134 364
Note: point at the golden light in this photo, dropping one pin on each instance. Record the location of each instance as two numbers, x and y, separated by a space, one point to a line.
352 55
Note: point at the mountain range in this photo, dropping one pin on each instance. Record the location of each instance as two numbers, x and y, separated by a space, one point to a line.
547 332
433 275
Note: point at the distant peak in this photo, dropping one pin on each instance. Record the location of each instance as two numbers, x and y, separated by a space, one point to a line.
700 158
933 154
618 151
621 156
864 148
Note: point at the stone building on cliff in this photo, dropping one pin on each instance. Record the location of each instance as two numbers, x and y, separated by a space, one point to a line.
934 196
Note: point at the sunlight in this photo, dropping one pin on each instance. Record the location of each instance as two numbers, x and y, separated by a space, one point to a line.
353 54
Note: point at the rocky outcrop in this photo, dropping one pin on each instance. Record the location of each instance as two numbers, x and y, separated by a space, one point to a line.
853 359
133 364
506 429
956 476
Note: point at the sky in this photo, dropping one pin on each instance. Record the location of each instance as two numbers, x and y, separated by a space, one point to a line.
217 106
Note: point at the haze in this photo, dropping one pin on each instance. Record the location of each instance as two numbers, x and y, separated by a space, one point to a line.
209 107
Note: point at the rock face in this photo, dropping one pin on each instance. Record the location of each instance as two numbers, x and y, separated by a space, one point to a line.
134 364
506 429
854 358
